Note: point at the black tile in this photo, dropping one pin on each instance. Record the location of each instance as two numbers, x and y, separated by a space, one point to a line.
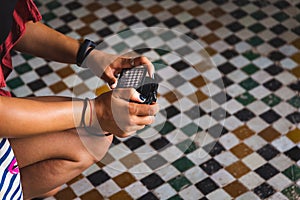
98 177
244 115
278 29
104 32
281 4
200 1
171 111
211 166
294 117
241 3
152 181
232 39
229 53
171 22
270 116
259 15
217 130
221 98
295 86
115 141
276 42
220 2
238 14
267 171
276 56
274 70
192 35
219 114
268 152
296 30
86 74
223 82
226 68
293 153
160 143
36 85
64 29
42 71
214 148
264 191
134 143
193 23
261 3
68 17
206 186
257 27
148 196
73 5
151 21
272 84
130 20
180 65
110 19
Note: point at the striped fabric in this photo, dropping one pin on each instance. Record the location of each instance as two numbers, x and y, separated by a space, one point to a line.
10 185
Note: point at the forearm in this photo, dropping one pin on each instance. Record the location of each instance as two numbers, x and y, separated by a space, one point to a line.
42 41
24 117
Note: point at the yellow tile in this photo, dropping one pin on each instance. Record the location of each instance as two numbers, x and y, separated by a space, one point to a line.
102 90
296 71
294 135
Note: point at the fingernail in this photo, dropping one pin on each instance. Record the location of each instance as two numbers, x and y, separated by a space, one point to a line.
142 98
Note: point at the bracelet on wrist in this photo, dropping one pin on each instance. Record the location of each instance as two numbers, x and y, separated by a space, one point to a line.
89 129
84 50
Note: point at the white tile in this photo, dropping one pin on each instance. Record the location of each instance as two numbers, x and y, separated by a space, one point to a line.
258 107
260 92
262 62
283 144
255 142
237 76
195 174
232 106
229 140
278 196
136 190
281 162
226 158
218 194
239 61
140 171
222 177
114 169
251 180
261 77
168 172
81 186
248 196
235 90
279 182
257 124
171 153
190 193
164 192
108 188
231 123
254 161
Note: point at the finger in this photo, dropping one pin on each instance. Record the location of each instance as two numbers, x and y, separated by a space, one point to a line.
129 94
143 109
142 60
144 120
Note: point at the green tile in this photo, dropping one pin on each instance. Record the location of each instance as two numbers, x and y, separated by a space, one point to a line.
183 164
293 172
15 82
167 35
52 5
245 98
255 41
165 128
126 33
23 68
295 101
187 146
180 182
256 28
159 64
146 35
48 16
292 192
271 100
191 129
250 55
258 15
120 47
249 84
27 56
37 3
161 52
250 69
175 197
280 16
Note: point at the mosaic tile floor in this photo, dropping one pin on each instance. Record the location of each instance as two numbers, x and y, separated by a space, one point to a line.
245 144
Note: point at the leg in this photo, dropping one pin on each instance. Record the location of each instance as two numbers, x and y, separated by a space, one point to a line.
47 161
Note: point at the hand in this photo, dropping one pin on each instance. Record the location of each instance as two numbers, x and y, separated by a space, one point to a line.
108 66
117 115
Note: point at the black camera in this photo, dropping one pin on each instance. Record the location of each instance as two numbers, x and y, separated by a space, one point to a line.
136 78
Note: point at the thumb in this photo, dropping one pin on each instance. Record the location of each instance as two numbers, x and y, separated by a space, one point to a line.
129 94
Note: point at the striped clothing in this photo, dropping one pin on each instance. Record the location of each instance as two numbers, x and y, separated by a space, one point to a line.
10 184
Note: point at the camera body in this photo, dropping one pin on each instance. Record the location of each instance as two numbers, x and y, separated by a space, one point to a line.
136 78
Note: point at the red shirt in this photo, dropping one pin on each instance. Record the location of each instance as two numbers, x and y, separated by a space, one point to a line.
25 11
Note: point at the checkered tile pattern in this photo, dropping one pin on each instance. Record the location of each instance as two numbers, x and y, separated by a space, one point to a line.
228 129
